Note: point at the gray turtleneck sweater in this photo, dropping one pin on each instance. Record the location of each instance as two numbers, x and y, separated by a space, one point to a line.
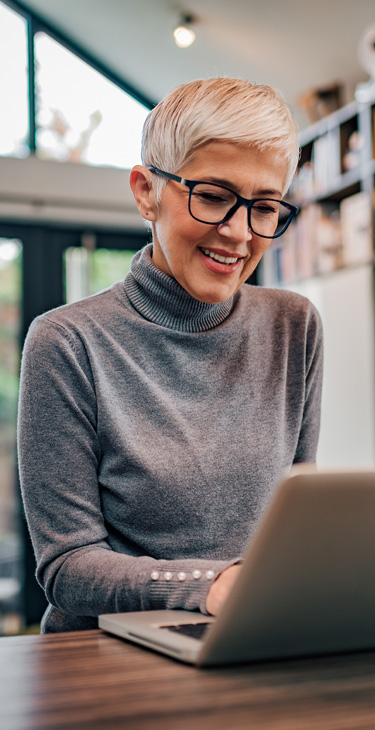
152 429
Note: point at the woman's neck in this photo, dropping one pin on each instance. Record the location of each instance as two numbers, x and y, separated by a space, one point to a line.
160 299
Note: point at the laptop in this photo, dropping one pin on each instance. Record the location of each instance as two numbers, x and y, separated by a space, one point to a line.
306 586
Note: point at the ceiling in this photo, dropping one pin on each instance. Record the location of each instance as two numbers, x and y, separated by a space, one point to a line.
291 44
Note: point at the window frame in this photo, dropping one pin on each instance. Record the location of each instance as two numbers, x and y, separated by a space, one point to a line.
36 24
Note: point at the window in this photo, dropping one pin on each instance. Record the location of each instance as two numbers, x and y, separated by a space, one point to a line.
88 272
14 115
64 109
81 115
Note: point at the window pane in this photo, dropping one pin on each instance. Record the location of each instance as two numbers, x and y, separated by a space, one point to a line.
10 553
14 114
81 116
87 272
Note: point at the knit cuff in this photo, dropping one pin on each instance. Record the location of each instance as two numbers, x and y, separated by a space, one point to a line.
185 585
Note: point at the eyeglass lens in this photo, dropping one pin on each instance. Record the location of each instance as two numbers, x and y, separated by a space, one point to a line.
211 203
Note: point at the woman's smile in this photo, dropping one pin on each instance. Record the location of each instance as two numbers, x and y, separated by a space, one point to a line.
219 260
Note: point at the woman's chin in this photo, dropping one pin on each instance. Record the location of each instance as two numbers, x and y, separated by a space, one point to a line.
213 295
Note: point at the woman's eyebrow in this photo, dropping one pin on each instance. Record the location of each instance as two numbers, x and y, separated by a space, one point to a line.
218 181
269 192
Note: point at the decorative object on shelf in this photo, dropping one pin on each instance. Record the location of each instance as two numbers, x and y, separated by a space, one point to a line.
352 156
318 103
366 56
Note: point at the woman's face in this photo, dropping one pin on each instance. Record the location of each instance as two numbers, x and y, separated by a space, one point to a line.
181 244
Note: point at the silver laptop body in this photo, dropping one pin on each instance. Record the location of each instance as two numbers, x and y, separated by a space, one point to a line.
306 586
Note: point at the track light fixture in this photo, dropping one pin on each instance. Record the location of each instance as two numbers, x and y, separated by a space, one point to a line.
183 34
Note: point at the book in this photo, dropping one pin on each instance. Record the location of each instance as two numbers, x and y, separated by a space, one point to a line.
328 239
356 229
306 248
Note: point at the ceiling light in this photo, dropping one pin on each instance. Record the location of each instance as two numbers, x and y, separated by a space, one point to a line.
183 34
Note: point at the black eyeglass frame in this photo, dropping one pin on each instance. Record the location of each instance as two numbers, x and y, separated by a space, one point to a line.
248 203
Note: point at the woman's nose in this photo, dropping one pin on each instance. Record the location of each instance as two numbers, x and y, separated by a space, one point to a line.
237 227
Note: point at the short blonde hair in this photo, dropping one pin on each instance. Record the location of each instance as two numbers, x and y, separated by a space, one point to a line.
206 110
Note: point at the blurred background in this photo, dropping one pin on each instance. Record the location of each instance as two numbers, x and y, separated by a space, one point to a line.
77 79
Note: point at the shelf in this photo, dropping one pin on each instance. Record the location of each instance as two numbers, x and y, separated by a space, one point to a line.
325 125
335 193
347 184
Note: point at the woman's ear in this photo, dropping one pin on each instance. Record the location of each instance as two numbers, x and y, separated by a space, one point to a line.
140 183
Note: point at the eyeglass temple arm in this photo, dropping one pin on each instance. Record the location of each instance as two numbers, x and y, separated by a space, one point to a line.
165 174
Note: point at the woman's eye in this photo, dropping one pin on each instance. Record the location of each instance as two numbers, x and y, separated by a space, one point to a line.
211 198
265 209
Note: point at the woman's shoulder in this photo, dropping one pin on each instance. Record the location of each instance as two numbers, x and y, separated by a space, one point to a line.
95 306
78 320
271 298
278 308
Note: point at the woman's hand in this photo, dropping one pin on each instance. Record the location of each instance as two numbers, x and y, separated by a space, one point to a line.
221 588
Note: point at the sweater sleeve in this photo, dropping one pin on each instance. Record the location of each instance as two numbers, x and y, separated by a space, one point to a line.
59 458
309 432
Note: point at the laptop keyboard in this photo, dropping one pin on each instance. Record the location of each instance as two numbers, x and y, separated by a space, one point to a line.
196 631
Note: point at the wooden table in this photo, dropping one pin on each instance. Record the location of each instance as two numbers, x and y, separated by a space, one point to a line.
92 680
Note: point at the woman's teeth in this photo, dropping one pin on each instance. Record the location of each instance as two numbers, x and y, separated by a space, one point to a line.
217 257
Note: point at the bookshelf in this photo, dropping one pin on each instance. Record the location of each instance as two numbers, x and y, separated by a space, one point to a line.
334 189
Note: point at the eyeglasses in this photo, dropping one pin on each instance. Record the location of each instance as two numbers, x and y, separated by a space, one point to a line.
214 204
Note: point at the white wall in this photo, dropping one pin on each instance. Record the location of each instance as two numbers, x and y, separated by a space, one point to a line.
345 301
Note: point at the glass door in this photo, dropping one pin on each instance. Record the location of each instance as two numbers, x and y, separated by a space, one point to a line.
88 269
41 267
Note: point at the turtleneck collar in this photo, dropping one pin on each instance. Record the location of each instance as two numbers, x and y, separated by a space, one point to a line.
160 298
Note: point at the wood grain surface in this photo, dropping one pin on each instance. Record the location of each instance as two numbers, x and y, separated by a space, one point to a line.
92 680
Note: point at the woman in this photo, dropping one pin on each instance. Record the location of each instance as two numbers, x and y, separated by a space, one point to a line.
157 416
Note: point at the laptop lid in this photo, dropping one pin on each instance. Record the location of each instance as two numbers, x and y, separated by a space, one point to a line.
305 587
